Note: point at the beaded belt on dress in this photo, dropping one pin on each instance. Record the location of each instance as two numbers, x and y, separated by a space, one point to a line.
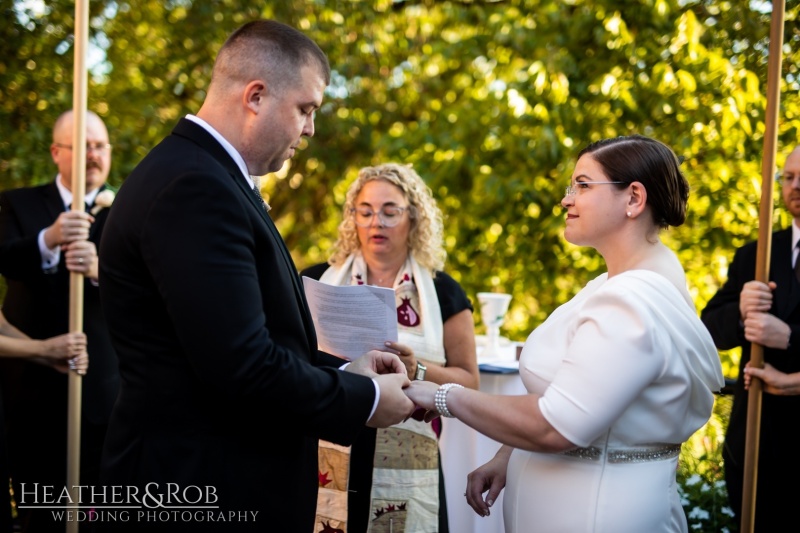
627 455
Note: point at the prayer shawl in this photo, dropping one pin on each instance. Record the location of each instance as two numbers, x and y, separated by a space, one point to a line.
405 477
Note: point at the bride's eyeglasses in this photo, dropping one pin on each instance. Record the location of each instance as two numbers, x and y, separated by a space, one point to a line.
572 190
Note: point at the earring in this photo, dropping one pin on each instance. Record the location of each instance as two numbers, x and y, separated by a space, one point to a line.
628 213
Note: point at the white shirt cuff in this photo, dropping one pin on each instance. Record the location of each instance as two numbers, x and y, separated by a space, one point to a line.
377 393
50 257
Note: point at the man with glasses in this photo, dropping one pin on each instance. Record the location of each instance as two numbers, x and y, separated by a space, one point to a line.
43 241
746 311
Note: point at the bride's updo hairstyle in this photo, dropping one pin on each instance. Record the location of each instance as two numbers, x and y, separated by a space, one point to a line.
651 163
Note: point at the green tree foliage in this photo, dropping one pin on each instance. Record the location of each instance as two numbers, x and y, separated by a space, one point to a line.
489 100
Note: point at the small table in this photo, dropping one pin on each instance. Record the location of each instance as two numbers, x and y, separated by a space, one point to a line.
464 449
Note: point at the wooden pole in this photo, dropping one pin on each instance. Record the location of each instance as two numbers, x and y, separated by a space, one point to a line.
762 260
79 104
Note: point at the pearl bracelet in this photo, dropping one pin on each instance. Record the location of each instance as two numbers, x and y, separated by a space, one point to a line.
440 398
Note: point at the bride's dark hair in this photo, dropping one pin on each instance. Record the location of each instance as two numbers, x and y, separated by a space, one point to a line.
651 163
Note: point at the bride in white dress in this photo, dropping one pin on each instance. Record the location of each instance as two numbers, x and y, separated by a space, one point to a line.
618 377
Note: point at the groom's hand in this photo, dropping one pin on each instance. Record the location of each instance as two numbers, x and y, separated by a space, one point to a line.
376 362
394 406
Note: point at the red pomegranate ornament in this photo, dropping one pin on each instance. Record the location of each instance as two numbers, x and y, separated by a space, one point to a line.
406 314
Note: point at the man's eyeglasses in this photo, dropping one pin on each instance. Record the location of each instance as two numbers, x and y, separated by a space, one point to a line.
572 190
782 178
389 216
97 147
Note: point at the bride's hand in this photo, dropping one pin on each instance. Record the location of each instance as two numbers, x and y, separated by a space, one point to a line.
490 477
422 393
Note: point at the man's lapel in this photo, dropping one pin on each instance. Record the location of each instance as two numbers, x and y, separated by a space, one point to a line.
787 295
52 201
98 217
187 128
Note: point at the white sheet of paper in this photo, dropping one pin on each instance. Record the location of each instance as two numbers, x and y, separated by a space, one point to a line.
352 319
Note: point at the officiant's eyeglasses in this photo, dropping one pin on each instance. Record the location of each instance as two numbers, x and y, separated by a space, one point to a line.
389 216
97 147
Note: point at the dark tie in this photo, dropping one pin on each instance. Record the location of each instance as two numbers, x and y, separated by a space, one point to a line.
257 193
86 207
797 264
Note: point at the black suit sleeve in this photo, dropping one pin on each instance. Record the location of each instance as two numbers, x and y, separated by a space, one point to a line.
207 253
19 254
721 315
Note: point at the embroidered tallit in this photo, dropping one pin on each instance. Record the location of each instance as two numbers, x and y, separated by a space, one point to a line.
405 477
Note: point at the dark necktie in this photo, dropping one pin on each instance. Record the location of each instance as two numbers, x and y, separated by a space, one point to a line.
797 264
86 207
257 194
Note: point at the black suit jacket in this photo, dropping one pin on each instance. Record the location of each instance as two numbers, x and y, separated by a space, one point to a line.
222 384
778 457
37 303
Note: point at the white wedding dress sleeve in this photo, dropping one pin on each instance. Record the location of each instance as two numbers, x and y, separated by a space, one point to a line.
626 371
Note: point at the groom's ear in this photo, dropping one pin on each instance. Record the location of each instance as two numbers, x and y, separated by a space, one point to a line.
254 96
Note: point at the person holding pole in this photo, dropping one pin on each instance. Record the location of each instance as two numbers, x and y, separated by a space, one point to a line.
746 311
775 381
63 352
223 387
43 242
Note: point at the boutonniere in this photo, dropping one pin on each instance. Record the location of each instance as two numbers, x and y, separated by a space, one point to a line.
104 199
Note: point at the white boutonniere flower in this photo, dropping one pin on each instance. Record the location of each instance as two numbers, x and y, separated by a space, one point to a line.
104 199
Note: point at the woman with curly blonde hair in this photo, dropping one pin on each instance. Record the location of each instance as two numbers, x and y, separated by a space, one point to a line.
391 236
425 235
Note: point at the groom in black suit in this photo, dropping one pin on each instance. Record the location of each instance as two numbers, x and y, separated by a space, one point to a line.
224 394
42 242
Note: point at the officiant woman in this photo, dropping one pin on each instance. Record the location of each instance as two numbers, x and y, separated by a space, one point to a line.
391 236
